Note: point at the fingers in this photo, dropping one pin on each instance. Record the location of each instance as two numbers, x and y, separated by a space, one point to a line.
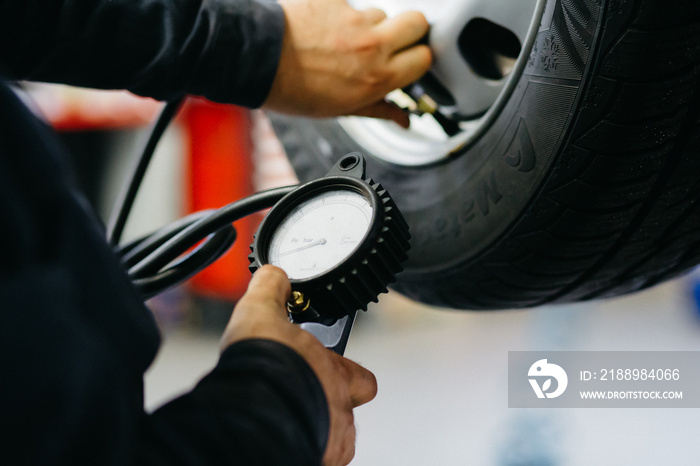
358 387
362 383
374 15
401 34
341 447
411 64
408 61
403 30
386 111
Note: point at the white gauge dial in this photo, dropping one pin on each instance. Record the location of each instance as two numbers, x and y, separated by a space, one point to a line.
320 233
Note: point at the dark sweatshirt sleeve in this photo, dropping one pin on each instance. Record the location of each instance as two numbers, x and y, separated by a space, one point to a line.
261 405
225 50
76 339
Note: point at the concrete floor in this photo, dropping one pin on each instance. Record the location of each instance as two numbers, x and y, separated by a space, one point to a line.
443 383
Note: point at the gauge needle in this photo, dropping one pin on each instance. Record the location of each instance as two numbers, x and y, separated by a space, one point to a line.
306 246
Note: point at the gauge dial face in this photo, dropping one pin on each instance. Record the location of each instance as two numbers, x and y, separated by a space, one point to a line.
320 233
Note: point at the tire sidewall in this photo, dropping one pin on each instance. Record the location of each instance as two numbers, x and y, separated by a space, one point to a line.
464 206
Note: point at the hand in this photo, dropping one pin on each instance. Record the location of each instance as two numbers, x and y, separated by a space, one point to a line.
261 313
340 61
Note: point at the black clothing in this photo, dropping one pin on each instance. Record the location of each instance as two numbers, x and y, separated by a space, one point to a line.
225 50
75 338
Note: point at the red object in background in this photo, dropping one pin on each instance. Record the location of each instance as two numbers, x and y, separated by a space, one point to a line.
69 108
219 171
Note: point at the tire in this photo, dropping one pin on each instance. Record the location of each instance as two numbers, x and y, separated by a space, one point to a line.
586 184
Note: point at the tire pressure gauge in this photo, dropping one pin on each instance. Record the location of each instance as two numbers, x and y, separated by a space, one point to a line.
320 232
340 239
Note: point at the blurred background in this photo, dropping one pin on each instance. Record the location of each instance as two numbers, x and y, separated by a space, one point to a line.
442 373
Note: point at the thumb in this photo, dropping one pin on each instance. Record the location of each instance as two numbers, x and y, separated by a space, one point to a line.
262 307
269 289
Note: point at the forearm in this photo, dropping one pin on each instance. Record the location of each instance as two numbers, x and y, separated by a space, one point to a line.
226 50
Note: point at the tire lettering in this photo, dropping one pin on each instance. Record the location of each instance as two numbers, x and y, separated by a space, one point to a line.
440 228
468 211
489 191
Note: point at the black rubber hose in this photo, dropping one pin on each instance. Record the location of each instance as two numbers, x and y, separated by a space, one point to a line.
151 262
126 198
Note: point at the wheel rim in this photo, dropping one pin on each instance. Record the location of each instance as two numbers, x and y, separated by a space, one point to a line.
475 60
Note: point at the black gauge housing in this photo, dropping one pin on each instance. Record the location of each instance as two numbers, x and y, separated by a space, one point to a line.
359 278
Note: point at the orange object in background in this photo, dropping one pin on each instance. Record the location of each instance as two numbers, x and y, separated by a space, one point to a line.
219 171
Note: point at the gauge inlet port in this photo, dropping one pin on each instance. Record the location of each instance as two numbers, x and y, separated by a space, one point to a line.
297 303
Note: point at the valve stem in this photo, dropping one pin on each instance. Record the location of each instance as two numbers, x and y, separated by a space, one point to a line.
426 104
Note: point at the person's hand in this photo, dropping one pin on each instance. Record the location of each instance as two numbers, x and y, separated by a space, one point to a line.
340 61
261 313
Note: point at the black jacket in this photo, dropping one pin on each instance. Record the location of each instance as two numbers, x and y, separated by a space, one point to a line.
75 338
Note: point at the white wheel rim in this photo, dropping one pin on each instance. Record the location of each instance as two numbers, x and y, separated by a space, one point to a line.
426 142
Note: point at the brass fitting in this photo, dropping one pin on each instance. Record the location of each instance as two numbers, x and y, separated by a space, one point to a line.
297 303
